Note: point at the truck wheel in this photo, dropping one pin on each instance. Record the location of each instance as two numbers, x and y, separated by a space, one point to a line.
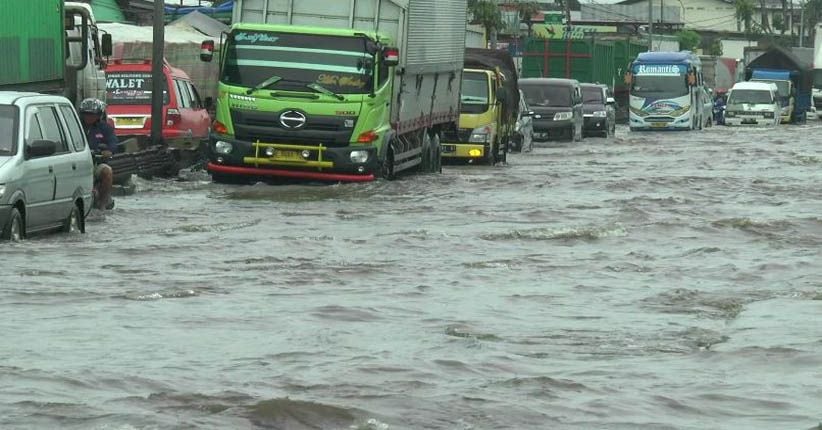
436 154
74 222
387 164
426 165
15 228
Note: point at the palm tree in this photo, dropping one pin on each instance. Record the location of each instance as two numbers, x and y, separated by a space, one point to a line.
487 14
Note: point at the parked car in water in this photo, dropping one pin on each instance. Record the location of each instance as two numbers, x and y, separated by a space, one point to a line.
598 110
186 121
557 107
46 167
753 103
523 139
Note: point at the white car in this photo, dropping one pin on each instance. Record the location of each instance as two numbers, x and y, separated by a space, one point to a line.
46 168
753 103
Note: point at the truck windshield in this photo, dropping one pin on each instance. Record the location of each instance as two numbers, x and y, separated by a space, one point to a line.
342 65
750 97
474 93
131 88
592 95
659 86
547 95
783 88
8 130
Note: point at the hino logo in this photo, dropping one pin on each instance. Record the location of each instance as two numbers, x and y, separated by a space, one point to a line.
292 119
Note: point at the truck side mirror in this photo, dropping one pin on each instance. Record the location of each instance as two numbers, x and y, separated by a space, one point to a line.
208 103
107 47
610 101
207 51
391 57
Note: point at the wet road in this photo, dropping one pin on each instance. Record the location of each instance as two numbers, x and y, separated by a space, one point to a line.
655 281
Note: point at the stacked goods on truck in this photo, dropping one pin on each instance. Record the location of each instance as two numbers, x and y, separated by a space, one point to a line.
336 91
489 98
720 73
792 75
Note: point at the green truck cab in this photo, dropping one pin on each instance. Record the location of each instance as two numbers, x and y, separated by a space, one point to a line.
489 98
335 102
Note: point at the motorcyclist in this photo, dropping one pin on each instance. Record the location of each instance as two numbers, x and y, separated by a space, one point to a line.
719 108
103 144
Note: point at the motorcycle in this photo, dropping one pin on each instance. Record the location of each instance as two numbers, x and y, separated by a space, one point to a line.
719 113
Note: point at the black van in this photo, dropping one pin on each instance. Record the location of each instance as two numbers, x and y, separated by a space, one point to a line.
557 107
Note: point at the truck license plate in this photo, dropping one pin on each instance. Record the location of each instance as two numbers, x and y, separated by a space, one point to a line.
288 156
449 148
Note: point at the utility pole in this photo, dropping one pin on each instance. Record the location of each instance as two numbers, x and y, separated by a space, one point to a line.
801 24
567 17
650 25
157 77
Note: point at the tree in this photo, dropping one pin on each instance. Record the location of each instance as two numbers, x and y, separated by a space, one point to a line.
527 10
688 40
744 13
487 14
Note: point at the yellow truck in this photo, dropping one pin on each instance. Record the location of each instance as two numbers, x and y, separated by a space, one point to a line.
489 108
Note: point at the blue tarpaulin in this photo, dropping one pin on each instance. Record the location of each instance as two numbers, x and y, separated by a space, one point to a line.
225 8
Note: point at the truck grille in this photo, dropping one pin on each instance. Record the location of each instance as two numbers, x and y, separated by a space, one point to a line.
332 131
461 135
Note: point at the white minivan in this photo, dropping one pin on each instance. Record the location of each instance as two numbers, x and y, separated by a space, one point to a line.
753 103
46 168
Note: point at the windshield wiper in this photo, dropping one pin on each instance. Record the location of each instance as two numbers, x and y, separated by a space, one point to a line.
321 89
268 82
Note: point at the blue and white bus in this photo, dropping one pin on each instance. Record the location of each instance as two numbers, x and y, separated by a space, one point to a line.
666 91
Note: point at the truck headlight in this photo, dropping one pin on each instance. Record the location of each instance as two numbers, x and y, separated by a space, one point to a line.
478 138
359 157
600 114
2 191
563 116
223 147
481 134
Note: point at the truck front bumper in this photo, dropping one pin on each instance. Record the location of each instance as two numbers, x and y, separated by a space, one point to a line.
466 151
292 161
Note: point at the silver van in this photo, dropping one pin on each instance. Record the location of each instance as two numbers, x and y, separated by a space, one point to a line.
46 167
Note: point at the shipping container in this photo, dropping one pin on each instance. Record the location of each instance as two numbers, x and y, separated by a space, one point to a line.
32 46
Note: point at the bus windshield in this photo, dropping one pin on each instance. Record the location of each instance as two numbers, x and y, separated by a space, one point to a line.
659 86
289 61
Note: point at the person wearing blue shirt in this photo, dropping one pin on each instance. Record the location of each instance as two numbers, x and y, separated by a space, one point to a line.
103 142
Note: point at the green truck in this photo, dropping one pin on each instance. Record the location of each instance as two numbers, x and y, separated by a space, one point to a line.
342 91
